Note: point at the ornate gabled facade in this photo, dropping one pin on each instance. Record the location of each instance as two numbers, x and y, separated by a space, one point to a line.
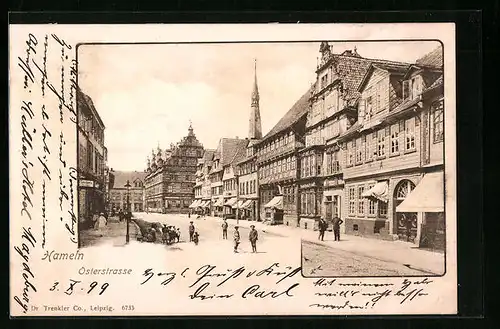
396 141
334 110
171 175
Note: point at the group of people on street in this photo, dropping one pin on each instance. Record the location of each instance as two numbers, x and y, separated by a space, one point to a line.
323 226
253 236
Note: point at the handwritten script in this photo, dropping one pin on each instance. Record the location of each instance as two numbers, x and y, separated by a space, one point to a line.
47 92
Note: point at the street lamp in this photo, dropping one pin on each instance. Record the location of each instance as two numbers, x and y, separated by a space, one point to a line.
127 238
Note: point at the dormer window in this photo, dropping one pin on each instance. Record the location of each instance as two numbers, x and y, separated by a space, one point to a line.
413 87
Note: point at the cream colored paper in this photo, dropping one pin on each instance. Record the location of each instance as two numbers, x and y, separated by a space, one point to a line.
43 191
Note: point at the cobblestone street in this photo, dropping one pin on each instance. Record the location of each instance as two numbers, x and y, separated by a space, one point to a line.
320 260
114 233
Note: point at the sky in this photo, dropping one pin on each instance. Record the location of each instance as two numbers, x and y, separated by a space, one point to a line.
147 95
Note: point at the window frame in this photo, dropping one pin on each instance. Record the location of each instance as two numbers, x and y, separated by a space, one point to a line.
438 107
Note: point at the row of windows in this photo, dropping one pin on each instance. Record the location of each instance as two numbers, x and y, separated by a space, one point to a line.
276 144
90 159
217 190
361 206
311 165
247 168
229 185
310 204
398 138
248 187
325 106
91 127
332 165
320 134
283 165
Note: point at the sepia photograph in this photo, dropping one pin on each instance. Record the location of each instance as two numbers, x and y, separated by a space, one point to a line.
268 169
338 143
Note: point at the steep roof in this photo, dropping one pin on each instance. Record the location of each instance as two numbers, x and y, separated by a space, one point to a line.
351 71
241 152
227 149
391 67
298 110
433 58
208 156
121 177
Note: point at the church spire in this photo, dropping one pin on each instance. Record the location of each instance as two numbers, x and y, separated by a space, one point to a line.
255 130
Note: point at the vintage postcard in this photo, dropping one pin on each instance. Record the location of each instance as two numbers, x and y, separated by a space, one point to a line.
269 169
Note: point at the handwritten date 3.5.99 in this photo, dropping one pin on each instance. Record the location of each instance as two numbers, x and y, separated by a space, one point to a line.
75 286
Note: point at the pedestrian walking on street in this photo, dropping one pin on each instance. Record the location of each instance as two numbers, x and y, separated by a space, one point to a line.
236 238
178 234
191 231
253 236
196 237
322 228
224 229
336 227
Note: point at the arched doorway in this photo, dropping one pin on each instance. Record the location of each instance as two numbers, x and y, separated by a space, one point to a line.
406 222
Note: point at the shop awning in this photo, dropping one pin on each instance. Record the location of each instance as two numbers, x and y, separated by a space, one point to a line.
240 203
231 202
219 202
248 204
428 195
194 204
276 202
205 204
379 191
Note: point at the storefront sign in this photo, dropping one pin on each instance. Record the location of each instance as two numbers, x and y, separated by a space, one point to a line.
334 182
85 183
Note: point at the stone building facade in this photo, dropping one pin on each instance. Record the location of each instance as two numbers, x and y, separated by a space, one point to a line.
118 191
92 158
170 179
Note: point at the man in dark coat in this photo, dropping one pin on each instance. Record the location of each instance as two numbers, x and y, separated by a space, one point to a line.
253 236
336 227
224 229
323 225
191 231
